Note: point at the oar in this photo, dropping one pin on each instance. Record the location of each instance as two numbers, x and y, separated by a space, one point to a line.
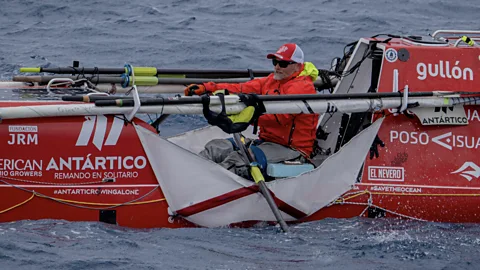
198 100
139 80
260 181
127 81
152 71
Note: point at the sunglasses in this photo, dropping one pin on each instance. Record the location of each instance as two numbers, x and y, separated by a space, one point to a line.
282 64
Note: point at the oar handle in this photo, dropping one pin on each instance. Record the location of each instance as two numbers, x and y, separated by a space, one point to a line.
148 101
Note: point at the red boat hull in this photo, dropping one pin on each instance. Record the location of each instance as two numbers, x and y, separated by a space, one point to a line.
48 172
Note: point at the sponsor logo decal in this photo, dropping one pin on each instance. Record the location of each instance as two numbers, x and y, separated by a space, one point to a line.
93 191
468 170
391 55
23 135
396 189
447 116
473 115
99 123
90 166
20 167
23 129
439 140
443 109
412 137
450 141
447 140
75 167
443 69
383 173
443 120
441 115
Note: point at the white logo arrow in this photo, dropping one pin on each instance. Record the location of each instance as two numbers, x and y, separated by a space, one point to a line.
475 172
441 137
99 123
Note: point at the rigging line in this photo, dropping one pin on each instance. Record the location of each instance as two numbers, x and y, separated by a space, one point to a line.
357 65
370 204
386 210
46 183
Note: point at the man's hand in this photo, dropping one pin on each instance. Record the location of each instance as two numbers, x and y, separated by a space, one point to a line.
195 89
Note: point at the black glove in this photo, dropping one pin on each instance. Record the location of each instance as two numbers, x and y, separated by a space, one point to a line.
374 147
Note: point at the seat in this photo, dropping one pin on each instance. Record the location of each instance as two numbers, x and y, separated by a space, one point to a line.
282 170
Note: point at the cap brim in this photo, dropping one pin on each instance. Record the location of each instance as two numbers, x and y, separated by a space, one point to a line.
278 56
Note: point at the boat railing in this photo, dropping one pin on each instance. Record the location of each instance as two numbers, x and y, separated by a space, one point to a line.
468 37
441 33
460 40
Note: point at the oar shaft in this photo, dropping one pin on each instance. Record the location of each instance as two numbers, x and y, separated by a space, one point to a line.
46 79
139 80
276 212
128 102
152 71
144 71
261 184
264 98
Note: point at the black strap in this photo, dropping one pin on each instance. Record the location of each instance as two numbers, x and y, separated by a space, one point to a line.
253 100
221 119
213 117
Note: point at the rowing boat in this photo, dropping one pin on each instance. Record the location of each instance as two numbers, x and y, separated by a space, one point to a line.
97 162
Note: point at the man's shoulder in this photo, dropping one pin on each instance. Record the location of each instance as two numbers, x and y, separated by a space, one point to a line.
302 80
300 86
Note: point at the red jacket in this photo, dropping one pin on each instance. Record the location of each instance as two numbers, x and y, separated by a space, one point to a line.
292 130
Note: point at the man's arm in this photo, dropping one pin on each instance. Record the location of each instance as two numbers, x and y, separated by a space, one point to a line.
253 86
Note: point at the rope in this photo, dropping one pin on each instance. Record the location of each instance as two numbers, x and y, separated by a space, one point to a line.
356 195
369 203
17 205
386 210
79 204
46 183
341 200
421 194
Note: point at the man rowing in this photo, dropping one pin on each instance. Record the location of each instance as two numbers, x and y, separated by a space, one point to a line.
282 137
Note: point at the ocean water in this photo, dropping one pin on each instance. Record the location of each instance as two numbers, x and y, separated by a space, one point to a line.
357 243
221 34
